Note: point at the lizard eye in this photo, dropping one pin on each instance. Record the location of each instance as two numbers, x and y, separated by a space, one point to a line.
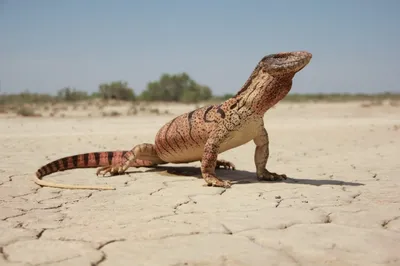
280 55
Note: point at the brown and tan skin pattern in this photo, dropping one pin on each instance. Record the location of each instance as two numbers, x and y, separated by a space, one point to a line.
202 134
86 160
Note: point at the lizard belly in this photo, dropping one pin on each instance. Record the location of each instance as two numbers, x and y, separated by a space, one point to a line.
240 136
185 156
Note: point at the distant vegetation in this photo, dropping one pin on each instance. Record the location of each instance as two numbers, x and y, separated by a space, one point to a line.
176 88
169 88
341 97
118 90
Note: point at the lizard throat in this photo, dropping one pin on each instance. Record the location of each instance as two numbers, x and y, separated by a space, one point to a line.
267 92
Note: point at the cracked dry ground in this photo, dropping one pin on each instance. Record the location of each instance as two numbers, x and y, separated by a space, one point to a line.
341 205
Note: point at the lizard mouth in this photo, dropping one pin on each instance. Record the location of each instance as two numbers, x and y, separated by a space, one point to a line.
287 62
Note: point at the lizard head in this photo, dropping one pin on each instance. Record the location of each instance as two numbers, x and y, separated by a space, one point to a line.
285 63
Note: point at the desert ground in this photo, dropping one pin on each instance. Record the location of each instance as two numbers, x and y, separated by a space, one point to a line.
339 206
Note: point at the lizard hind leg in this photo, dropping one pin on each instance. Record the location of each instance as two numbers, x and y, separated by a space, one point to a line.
142 155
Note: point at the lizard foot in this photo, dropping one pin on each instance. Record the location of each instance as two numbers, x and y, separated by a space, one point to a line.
225 164
112 169
269 176
213 181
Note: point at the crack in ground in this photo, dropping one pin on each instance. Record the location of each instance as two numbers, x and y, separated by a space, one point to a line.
26 194
18 225
127 183
8 181
180 235
14 216
329 205
222 191
385 223
227 230
278 202
282 250
252 239
64 239
55 197
186 234
162 216
343 202
39 235
286 226
101 260
71 202
180 204
103 254
355 196
43 208
278 227
57 261
191 200
155 191
249 229
166 183
62 218
102 245
328 218
4 255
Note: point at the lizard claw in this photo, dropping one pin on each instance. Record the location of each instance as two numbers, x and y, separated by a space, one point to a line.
113 170
225 165
269 176
104 169
213 181
226 184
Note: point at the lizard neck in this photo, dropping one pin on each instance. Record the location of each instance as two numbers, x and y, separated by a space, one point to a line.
262 91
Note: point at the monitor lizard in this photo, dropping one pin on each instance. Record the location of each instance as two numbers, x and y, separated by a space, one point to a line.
202 134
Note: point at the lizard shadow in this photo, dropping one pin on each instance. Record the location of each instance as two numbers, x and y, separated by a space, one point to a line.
243 177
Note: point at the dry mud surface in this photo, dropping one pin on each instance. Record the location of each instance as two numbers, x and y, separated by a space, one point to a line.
340 205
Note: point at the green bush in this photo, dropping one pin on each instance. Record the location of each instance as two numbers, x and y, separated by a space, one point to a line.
25 97
72 95
118 90
26 111
176 88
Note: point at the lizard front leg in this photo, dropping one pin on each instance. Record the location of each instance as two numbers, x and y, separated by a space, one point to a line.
261 157
209 160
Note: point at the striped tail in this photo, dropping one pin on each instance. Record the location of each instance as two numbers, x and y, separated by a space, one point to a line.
86 160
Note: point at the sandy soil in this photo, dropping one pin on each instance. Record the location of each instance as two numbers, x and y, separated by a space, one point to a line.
340 206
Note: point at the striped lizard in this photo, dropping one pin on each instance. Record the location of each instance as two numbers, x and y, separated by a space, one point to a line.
202 134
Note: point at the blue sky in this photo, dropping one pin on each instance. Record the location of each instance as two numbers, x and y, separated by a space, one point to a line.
46 45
